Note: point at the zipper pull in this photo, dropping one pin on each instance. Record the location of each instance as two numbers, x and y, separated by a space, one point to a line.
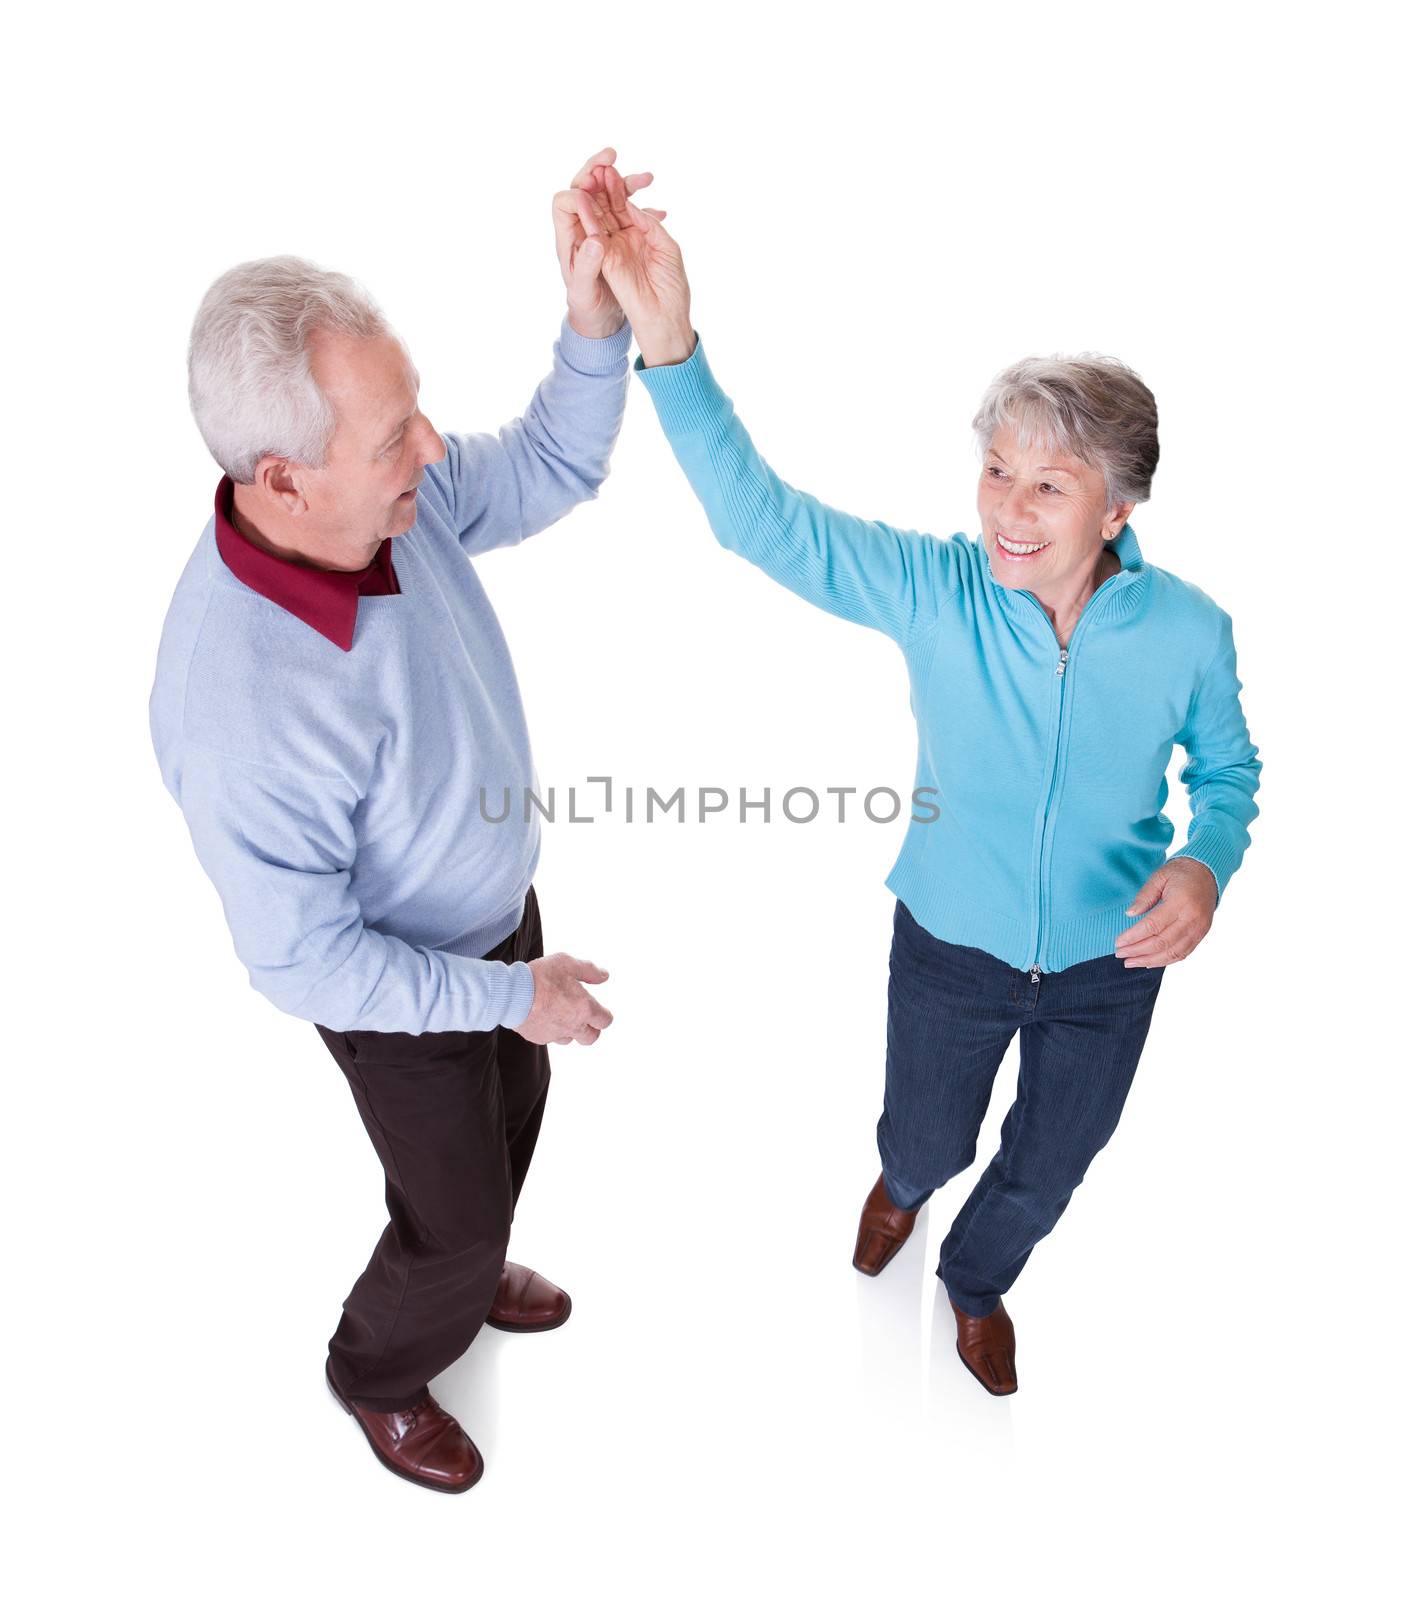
1059 670
1034 974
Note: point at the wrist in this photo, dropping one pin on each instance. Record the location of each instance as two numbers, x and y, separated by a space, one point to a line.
666 346
603 327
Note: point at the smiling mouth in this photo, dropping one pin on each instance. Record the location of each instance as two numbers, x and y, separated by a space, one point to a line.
1016 550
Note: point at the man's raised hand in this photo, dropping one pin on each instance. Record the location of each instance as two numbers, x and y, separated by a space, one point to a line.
563 1010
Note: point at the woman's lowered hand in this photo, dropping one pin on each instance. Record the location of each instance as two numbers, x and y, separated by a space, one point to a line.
1180 901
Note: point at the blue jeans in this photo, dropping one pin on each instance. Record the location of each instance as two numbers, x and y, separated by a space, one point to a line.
951 1013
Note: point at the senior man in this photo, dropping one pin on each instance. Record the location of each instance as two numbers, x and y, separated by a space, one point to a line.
332 693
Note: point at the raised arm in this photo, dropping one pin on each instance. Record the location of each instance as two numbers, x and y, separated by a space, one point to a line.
865 571
497 489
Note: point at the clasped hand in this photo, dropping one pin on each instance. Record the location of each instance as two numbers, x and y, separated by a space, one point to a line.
618 260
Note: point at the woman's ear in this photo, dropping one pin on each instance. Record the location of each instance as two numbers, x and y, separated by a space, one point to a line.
1113 525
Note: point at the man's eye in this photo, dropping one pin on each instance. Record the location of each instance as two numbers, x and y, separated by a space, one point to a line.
1053 486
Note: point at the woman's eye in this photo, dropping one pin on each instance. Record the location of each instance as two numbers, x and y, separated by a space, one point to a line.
1050 486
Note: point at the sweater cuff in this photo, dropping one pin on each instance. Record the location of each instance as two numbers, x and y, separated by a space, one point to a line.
685 393
593 357
519 998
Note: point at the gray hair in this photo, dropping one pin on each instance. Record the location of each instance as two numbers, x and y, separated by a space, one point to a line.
248 376
1090 406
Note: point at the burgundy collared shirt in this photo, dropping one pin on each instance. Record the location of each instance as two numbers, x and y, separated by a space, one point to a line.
327 601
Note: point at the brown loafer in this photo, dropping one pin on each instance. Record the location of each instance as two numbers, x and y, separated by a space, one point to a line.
527 1303
882 1230
987 1347
423 1444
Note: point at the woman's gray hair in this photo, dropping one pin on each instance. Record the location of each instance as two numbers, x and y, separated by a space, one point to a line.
1090 406
248 376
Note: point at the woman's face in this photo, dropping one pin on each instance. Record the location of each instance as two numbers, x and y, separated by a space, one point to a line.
1042 497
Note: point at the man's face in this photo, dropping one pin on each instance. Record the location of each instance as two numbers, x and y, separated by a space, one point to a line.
366 491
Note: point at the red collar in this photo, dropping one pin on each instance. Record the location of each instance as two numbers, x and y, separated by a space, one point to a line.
327 601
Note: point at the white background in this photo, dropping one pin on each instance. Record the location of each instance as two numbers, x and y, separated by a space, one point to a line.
879 207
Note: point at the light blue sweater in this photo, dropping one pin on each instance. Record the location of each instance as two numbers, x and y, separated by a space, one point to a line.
1049 772
333 796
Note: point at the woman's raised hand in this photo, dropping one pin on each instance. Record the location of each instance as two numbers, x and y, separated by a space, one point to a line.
583 209
643 267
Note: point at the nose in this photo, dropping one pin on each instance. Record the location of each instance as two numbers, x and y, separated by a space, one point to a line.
430 447
1016 509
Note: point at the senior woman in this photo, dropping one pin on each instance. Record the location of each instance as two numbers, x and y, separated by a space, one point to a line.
1052 670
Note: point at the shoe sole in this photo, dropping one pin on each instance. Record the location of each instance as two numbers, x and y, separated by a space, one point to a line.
532 1327
400 1472
1000 1394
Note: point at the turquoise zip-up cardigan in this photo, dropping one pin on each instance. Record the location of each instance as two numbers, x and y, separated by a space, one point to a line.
1047 767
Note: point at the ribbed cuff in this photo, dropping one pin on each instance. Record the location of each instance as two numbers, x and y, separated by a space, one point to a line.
685 393
519 999
593 357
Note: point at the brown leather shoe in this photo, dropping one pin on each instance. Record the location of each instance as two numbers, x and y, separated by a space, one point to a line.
987 1346
527 1303
423 1444
882 1230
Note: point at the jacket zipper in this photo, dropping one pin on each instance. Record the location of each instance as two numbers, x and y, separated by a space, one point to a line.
1044 824
1059 672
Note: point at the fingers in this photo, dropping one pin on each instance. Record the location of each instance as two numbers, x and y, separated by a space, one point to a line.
1161 943
587 971
1144 929
1145 898
650 223
1145 936
586 265
617 196
568 230
636 181
591 211
605 157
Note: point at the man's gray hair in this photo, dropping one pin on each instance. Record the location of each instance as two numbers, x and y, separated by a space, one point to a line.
1090 406
248 376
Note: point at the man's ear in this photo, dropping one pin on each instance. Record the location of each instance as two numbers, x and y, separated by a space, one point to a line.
280 480
1113 524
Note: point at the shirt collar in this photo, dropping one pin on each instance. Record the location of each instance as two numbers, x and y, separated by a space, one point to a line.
327 601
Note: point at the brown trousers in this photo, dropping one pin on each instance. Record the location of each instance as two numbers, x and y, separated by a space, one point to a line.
454 1118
